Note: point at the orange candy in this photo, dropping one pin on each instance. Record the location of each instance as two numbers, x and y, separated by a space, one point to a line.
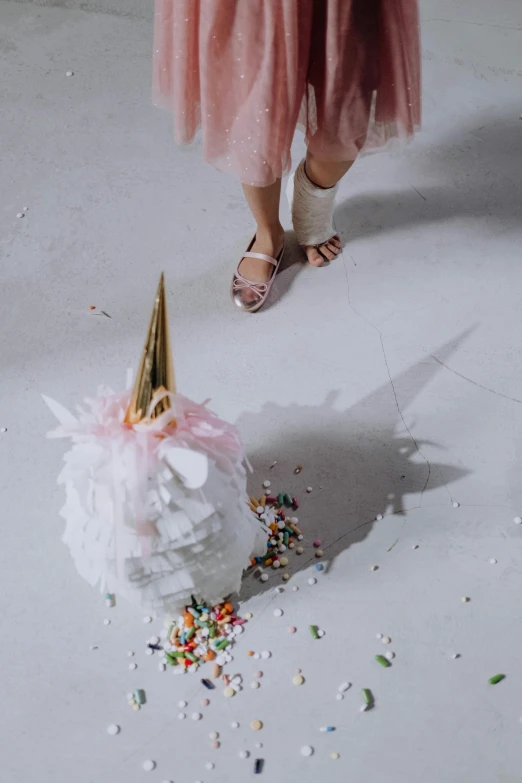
188 620
250 653
228 608
209 656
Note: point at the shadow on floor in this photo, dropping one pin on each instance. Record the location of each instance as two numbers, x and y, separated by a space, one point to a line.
360 462
479 170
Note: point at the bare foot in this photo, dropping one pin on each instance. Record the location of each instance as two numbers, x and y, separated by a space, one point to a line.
257 270
318 256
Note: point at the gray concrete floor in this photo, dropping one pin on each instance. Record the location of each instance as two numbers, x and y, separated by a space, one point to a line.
394 377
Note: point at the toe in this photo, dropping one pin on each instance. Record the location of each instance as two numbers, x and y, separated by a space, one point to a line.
335 249
313 255
327 252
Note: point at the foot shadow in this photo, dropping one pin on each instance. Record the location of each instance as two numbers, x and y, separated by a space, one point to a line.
361 462
480 172
292 264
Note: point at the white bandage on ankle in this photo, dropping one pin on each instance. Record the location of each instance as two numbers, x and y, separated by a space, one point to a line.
312 208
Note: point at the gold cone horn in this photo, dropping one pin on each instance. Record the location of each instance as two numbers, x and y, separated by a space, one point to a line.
156 370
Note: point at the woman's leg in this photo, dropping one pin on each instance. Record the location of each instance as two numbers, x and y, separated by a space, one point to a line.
325 174
264 205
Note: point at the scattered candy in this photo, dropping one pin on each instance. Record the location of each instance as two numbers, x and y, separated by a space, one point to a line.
234 724
339 696
196 716
209 765
379 636
319 566
465 599
382 660
264 577
368 697
133 666
255 684
286 577
106 621
298 469
309 489
299 550
278 612
312 581
109 600
344 686
455 655
386 640
69 73
204 702
266 654
266 484
378 517
313 630
307 750
317 543
229 692
130 654
113 729
389 655
455 504
147 619
415 546
374 568
258 766
292 629
139 696
298 679
334 756
516 520
243 754
496 678
256 725
492 561
214 735
295 589
149 765
215 745
182 704
208 684
181 716
20 215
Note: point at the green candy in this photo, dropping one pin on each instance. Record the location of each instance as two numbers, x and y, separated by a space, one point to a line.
496 678
383 661
280 499
287 500
313 631
368 696
190 633
191 657
286 538
222 644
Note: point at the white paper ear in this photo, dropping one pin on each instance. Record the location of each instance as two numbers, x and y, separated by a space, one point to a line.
191 466
62 414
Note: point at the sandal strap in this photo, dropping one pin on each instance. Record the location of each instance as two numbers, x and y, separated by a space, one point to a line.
262 256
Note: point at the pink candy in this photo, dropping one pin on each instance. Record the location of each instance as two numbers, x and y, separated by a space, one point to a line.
317 543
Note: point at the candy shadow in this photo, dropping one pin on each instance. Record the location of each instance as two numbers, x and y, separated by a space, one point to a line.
361 463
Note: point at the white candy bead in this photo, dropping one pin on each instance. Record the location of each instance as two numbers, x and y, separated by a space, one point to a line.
312 580
147 619
149 765
69 73
344 686
182 704
339 697
378 517
492 561
389 655
278 612
113 729
243 754
133 666
209 765
196 716
266 484
181 716
266 654
106 621
518 520
264 577
455 504
307 750
235 724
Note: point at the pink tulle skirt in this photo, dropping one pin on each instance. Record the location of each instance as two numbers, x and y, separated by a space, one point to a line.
247 72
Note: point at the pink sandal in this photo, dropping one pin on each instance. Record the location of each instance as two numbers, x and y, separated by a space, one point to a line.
241 285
